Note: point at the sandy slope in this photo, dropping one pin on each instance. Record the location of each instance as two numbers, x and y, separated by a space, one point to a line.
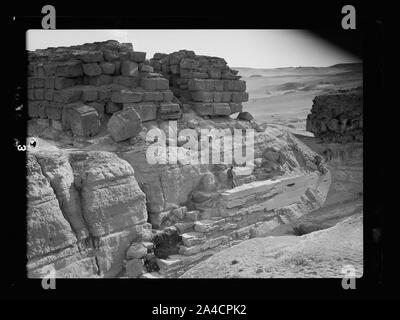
319 254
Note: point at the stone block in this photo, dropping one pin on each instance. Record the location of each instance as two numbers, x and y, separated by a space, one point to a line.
137 56
146 111
229 85
239 85
129 82
129 68
162 84
226 96
169 111
146 68
203 109
89 93
89 56
50 69
153 96
217 96
149 84
48 94
107 67
218 85
91 69
214 73
189 63
84 120
124 125
99 106
62 83
240 96
174 69
69 70
49 82
54 110
110 55
126 96
202 96
68 95
167 96
221 109
236 107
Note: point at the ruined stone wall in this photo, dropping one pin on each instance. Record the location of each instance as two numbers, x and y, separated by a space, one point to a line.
337 117
205 84
75 87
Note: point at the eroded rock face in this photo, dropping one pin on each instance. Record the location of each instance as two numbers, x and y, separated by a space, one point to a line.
85 209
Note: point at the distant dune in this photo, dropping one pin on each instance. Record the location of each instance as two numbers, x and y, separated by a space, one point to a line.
286 71
283 96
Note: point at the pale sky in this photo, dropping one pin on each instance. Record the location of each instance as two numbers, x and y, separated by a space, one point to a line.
240 48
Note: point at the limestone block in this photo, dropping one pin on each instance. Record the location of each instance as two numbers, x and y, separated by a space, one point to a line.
72 69
202 96
153 96
110 55
214 73
126 96
236 107
240 96
203 109
167 96
221 109
124 124
149 84
137 56
103 79
99 106
84 120
54 110
62 83
129 82
91 69
162 84
129 68
146 110
107 67
89 56
68 95
217 97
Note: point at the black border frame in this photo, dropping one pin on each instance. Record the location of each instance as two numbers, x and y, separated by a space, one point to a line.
325 19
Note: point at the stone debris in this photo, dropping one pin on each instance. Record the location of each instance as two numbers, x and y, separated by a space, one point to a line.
124 124
337 117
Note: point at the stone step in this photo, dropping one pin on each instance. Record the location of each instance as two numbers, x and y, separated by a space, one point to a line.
211 243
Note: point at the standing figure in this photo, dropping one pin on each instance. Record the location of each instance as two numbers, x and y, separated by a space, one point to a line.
231 181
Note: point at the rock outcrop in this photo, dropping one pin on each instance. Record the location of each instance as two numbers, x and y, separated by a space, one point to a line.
341 146
84 210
